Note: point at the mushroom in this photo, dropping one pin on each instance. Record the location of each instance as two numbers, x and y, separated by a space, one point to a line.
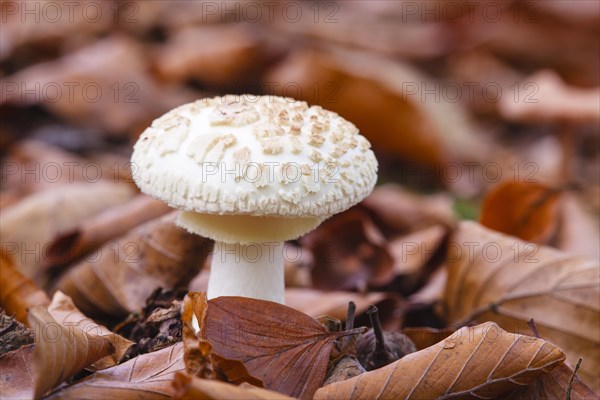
251 172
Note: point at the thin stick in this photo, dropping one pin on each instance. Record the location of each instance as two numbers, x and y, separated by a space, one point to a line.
572 379
377 329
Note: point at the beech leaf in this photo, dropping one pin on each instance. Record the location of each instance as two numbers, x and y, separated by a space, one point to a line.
335 304
147 376
190 387
16 379
482 361
18 293
196 351
65 313
119 278
61 352
511 282
559 384
50 212
526 210
98 229
285 349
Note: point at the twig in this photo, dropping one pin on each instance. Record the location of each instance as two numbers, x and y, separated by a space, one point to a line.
572 379
533 328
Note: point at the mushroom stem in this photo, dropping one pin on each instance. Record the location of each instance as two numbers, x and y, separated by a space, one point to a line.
249 270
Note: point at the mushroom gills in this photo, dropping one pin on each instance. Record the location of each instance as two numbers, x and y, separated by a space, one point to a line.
246 229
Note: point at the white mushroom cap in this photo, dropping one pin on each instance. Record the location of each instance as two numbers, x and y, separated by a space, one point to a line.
249 155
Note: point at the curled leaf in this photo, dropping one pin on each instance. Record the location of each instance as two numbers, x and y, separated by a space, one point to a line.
147 376
52 211
17 293
482 361
530 211
61 352
349 253
98 229
120 276
197 351
493 277
65 313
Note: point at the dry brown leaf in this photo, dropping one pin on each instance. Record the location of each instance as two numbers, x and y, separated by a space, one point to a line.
426 337
384 98
65 313
191 387
125 97
503 279
118 278
284 349
374 26
51 212
413 251
196 355
51 31
523 36
349 253
98 229
402 212
579 230
17 293
555 101
147 376
527 210
482 361
61 352
214 54
47 161
335 304
560 384
16 379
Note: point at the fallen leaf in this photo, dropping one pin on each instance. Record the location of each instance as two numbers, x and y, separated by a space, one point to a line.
52 32
555 101
426 337
412 251
373 27
482 361
51 212
349 253
196 351
16 379
284 349
335 304
191 387
385 99
18 294
403 212
121 275
147 376
493 277
99 229
579 230
65 313
528 210
559 384
126 96
214 54
61 352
